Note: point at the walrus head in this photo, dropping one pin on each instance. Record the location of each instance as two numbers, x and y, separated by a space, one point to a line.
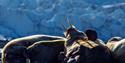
14 54
72 34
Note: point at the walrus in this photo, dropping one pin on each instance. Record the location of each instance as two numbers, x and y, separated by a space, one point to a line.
46 51
80 49
24 42
118 48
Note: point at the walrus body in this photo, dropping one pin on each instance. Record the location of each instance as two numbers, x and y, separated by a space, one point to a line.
79 49
118 48
86 53
46 51
23 42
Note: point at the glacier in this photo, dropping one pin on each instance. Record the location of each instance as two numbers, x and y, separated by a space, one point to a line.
20 18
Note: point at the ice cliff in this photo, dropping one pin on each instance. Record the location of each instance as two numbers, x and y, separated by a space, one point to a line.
20 18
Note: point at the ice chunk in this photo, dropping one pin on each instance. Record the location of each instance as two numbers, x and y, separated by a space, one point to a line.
118 14
98 20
